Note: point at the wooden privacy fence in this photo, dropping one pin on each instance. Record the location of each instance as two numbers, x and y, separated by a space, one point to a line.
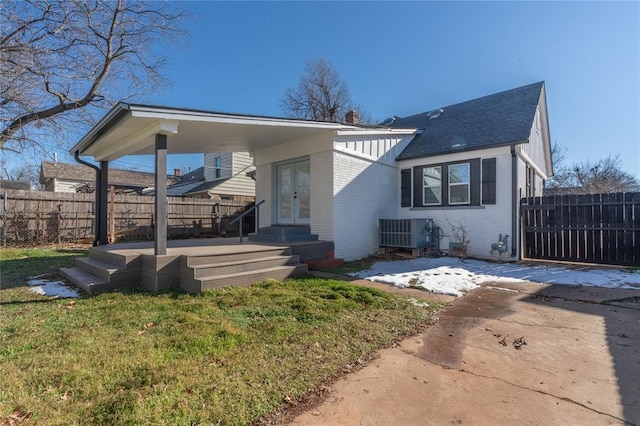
592 228
36 217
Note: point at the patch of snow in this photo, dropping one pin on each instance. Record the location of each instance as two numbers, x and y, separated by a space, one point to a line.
50 288
448 275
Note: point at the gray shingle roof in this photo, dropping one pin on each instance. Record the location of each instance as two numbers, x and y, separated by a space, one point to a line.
499 119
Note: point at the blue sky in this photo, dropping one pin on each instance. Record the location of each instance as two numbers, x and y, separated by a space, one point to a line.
403 58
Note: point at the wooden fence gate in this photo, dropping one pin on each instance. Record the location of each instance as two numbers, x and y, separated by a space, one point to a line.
593 228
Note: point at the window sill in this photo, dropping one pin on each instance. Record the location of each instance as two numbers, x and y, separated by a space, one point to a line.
465 207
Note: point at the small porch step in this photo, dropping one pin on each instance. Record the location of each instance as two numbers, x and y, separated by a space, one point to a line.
243 279
239 266
86 281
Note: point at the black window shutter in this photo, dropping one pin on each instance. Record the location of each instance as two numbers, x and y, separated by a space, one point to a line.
417 186
488 181
474 181
405 188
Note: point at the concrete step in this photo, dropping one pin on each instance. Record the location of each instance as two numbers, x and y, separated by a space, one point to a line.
192 261
193 285
285 230
96 267
225 268
282 238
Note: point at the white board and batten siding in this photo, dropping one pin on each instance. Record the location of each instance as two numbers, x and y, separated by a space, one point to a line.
383 148
537 152
234 167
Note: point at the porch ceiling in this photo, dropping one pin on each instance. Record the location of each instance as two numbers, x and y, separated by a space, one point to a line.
130 129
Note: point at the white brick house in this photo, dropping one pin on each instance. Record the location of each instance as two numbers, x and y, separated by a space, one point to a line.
357 175
466 163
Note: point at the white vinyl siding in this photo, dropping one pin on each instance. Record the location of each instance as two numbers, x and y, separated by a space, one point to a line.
233 168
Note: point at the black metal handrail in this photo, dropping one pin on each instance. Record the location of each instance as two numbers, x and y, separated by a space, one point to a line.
256 207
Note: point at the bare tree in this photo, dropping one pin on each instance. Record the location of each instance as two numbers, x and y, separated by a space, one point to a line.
61 59
595 177
320 95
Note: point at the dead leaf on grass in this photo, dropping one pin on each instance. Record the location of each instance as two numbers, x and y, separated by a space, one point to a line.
290 400
18 415
149 325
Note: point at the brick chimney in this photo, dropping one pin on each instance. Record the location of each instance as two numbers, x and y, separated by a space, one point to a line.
176 172
352 117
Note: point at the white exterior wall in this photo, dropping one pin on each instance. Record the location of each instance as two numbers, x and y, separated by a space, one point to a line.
484 223
322 201
263 192
363 191
316 149
354 181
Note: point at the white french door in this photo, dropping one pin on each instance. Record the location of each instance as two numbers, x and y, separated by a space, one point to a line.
293 195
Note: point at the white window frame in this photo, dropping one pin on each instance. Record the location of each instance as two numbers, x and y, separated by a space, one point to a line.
424 186
467 183
217 163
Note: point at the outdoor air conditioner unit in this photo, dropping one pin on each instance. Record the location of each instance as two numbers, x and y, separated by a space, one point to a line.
408 233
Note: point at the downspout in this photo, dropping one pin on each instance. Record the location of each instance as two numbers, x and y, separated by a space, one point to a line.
514 200
76 155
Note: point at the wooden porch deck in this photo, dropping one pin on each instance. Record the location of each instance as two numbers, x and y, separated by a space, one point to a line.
193 265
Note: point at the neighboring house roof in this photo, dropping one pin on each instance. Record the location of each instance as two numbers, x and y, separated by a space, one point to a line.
495 120
192 176
207 186
79 173
15 184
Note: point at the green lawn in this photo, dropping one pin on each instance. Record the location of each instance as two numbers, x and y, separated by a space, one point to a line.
16 265
230 356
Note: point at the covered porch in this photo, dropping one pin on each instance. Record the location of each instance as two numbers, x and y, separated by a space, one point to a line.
130 129
193 265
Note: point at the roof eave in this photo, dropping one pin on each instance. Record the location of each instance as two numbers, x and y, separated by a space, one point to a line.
114 115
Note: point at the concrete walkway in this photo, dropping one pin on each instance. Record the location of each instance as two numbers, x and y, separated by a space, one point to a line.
502 355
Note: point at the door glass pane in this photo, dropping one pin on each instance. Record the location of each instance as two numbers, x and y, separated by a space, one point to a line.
303 181
285 192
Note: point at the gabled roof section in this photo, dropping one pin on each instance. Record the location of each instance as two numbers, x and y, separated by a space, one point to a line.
500 119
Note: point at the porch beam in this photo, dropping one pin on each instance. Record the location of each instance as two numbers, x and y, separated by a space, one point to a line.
160 209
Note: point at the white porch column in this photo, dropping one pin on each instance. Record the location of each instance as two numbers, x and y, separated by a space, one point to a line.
160 209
